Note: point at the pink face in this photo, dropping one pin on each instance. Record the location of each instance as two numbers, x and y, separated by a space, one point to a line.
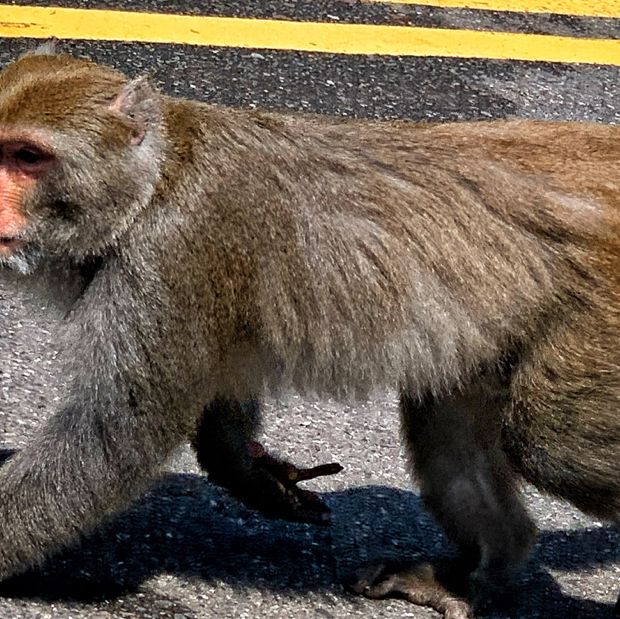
22 162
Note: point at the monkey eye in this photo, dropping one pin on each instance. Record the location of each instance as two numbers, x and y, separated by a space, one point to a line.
29 156
25 156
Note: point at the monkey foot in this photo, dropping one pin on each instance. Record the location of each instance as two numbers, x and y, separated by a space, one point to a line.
419 584
271 488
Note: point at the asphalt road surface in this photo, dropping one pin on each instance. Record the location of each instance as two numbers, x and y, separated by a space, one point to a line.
187 550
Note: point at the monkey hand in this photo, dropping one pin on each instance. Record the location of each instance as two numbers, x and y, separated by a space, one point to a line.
271 488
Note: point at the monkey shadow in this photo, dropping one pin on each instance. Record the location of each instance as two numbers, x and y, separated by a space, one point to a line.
187 527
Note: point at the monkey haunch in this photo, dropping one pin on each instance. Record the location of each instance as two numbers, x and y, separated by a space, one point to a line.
476 266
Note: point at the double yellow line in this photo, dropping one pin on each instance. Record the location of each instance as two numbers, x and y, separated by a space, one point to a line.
581 8
38 22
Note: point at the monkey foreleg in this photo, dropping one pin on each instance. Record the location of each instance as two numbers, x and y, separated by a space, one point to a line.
419 584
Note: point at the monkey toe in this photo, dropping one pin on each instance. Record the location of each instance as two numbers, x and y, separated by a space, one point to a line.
417 583
286 472
458 609
293 504
310 512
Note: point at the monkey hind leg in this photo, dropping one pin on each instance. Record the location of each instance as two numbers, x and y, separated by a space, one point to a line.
562 430
467 482
468 485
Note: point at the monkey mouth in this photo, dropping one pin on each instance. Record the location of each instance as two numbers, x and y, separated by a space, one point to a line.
10 244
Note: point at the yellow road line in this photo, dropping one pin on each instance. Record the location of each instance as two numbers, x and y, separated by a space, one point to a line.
37 22
582 8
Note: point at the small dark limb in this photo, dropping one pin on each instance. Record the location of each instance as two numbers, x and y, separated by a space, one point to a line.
421 584
617 608
270 486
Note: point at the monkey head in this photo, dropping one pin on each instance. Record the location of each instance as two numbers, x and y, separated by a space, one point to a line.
80 153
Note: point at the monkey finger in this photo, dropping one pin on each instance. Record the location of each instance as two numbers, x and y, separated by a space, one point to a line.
313 472
286 472
315 512
305 506
294 506
264 492
282 470
310 500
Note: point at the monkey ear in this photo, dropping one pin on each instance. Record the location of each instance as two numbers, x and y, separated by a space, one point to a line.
48 48
139 101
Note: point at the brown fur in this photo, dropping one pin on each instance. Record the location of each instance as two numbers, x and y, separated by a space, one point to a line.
476 266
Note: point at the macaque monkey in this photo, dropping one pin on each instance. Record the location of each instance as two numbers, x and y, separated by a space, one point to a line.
474 266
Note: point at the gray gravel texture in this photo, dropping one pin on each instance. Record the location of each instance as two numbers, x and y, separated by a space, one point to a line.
187 550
